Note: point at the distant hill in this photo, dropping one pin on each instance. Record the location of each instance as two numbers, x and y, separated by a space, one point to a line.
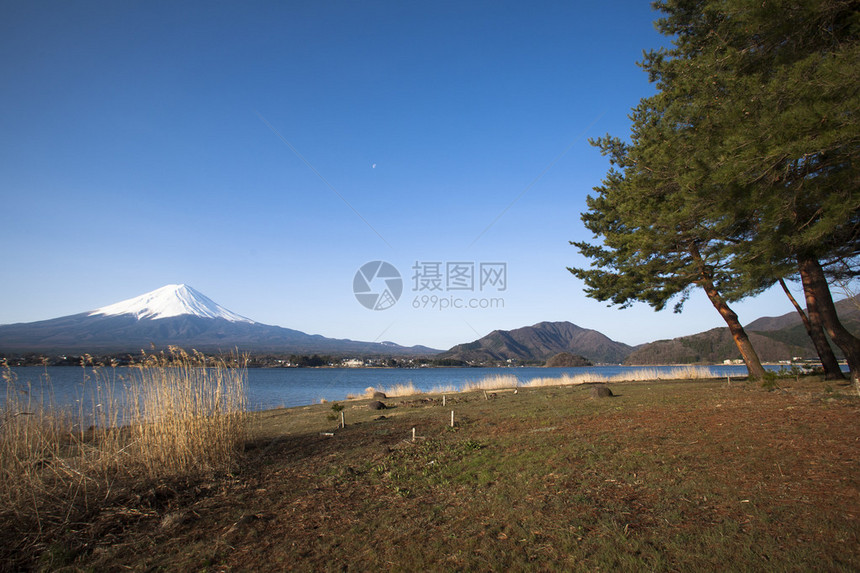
181 316
774 338
538 343
847 308
713 346
567 360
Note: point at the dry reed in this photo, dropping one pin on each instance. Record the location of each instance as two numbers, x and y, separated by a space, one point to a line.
641 375
189 413
497 382
398 390
175 415
505 381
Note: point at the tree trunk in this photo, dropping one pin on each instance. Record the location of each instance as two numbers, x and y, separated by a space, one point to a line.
742 341
819 339
819 300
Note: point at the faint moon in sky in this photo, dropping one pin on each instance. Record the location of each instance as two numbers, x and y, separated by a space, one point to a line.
373 166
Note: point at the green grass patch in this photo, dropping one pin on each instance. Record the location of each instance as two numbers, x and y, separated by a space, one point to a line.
670 475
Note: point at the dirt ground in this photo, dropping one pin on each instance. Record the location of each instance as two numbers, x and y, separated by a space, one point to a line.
665 476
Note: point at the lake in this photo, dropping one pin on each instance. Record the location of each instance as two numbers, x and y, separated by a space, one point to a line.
288 387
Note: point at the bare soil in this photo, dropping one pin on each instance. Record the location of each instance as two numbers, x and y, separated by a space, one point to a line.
678 475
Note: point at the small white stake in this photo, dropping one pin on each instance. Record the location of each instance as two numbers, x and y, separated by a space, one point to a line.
452 418
342 420
443 400
413 434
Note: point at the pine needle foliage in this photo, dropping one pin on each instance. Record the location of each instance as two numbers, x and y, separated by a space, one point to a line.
743 168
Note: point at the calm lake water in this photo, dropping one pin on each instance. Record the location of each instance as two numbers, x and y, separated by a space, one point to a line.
287 387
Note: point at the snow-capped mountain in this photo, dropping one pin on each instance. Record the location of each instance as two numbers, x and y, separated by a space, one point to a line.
175 315
170 300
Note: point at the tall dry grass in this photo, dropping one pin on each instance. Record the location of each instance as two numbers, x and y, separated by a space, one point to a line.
497 382
409 389
30 438
398 390
189 414
506 381
176 414
641 375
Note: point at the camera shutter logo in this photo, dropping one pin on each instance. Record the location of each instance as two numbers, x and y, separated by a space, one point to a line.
377 285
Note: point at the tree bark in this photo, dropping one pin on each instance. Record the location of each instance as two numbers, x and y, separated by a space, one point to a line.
742 341
819 301
819 339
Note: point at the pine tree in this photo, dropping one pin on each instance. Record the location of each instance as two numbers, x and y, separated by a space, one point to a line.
755 125
657 244
774 87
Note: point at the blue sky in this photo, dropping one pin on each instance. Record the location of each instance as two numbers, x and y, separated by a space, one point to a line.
148 143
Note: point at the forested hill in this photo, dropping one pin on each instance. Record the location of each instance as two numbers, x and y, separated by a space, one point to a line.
540 342
774 339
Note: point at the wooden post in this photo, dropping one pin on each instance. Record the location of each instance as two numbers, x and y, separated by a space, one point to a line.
485 395
452 418
443 400
342 420
413 434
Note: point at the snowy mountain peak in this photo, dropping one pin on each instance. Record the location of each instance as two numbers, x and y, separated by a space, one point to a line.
170 300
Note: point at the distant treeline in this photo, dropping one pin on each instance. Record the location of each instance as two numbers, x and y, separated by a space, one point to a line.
267 360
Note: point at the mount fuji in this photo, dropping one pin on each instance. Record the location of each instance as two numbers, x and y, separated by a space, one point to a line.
169 301
181 316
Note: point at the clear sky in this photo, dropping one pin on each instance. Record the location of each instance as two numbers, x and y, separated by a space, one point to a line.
262 152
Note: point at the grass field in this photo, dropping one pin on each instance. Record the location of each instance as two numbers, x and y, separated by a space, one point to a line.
666 475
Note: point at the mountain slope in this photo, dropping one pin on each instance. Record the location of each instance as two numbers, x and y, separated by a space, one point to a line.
540 342
175 315
709 347
774 339
169 301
